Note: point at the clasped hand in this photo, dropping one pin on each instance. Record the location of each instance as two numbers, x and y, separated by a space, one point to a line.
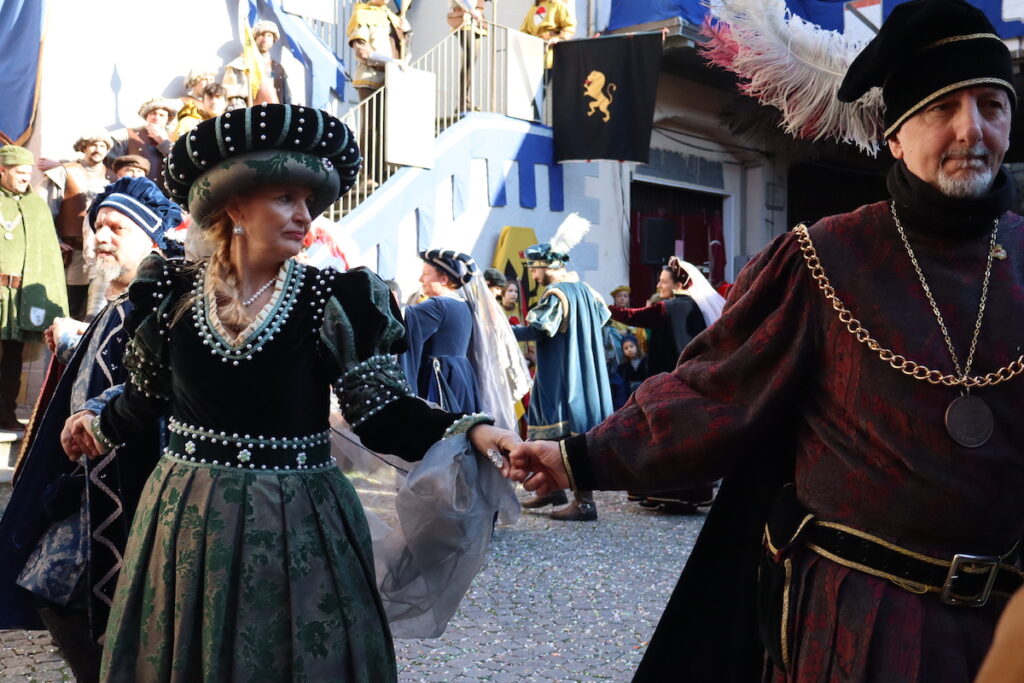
538 466
77 438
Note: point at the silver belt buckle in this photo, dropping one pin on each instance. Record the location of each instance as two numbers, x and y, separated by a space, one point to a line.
974 564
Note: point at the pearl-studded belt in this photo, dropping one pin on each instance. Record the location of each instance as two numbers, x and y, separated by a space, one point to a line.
195 444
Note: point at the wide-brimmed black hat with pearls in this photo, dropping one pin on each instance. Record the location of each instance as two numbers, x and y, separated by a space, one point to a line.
269 144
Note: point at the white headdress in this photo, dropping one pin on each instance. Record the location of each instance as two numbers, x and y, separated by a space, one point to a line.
700 290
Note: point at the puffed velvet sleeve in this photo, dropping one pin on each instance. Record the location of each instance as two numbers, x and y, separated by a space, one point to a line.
543 319
361 334
147 394
737 385
648 316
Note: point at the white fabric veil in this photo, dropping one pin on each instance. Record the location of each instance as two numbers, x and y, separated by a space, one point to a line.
501 369
700 290
501 372
434 526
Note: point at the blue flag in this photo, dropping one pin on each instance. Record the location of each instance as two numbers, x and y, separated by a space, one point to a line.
21 35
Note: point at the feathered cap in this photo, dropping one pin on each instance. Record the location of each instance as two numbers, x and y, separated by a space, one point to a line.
271 143
456 265
924 50
556 253
141 201
827 87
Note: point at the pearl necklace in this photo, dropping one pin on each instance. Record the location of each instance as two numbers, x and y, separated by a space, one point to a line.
275 318
251 300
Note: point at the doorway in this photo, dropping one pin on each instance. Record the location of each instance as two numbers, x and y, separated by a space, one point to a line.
666 221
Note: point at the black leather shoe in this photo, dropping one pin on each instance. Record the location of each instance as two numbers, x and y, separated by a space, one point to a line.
555 498
577 512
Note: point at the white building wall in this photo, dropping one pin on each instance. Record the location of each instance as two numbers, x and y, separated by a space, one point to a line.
102 59
451 206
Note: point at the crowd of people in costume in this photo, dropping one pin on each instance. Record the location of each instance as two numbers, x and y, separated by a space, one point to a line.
151 397
179 512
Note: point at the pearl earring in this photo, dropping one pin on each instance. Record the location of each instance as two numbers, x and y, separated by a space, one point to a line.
238 230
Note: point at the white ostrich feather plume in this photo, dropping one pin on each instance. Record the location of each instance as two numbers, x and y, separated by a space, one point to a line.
570 233
795 66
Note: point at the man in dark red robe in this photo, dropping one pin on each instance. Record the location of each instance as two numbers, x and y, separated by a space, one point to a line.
890 555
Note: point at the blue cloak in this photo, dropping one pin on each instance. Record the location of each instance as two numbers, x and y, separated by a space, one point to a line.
51 490
571 392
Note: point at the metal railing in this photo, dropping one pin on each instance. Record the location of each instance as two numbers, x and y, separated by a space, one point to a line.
470 69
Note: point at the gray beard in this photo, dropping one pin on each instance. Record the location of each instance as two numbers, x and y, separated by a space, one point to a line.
965 187
108 270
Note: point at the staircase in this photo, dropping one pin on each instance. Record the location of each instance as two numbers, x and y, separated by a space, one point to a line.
498 53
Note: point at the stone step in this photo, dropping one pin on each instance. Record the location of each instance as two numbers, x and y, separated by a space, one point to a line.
10 445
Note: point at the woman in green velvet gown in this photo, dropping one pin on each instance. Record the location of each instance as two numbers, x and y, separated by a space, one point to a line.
249 557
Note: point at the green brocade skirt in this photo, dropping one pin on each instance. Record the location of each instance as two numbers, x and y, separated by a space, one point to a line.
239 575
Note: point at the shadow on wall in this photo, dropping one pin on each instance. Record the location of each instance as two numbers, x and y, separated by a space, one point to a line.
115 87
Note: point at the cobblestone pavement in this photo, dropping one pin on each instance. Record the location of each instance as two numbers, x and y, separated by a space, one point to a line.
556 601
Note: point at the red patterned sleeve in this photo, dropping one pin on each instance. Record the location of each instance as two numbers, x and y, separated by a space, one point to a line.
648 316
737 383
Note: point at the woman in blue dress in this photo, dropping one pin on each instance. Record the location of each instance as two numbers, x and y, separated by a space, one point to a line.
440 337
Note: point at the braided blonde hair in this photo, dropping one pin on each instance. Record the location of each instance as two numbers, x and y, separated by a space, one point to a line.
223 280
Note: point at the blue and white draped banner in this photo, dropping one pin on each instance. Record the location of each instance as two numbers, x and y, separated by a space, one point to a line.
326 69
993 9
21 42
827 14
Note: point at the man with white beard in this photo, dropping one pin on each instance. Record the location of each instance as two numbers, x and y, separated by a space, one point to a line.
64 530
69 189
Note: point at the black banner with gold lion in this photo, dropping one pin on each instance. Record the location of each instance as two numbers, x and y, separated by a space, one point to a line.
604 91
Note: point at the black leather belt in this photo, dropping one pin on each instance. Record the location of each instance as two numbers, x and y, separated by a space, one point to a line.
965 579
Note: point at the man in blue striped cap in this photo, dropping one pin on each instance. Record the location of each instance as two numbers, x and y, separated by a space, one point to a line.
64 531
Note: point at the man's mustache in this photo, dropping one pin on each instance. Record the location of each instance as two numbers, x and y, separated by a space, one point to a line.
974 151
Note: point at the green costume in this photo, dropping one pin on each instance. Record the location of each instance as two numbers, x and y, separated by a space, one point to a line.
30 252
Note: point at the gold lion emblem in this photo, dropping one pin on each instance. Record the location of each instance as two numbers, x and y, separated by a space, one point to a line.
594 88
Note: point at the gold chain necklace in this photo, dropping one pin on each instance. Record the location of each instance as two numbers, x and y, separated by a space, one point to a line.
969 420
897 361
931 299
